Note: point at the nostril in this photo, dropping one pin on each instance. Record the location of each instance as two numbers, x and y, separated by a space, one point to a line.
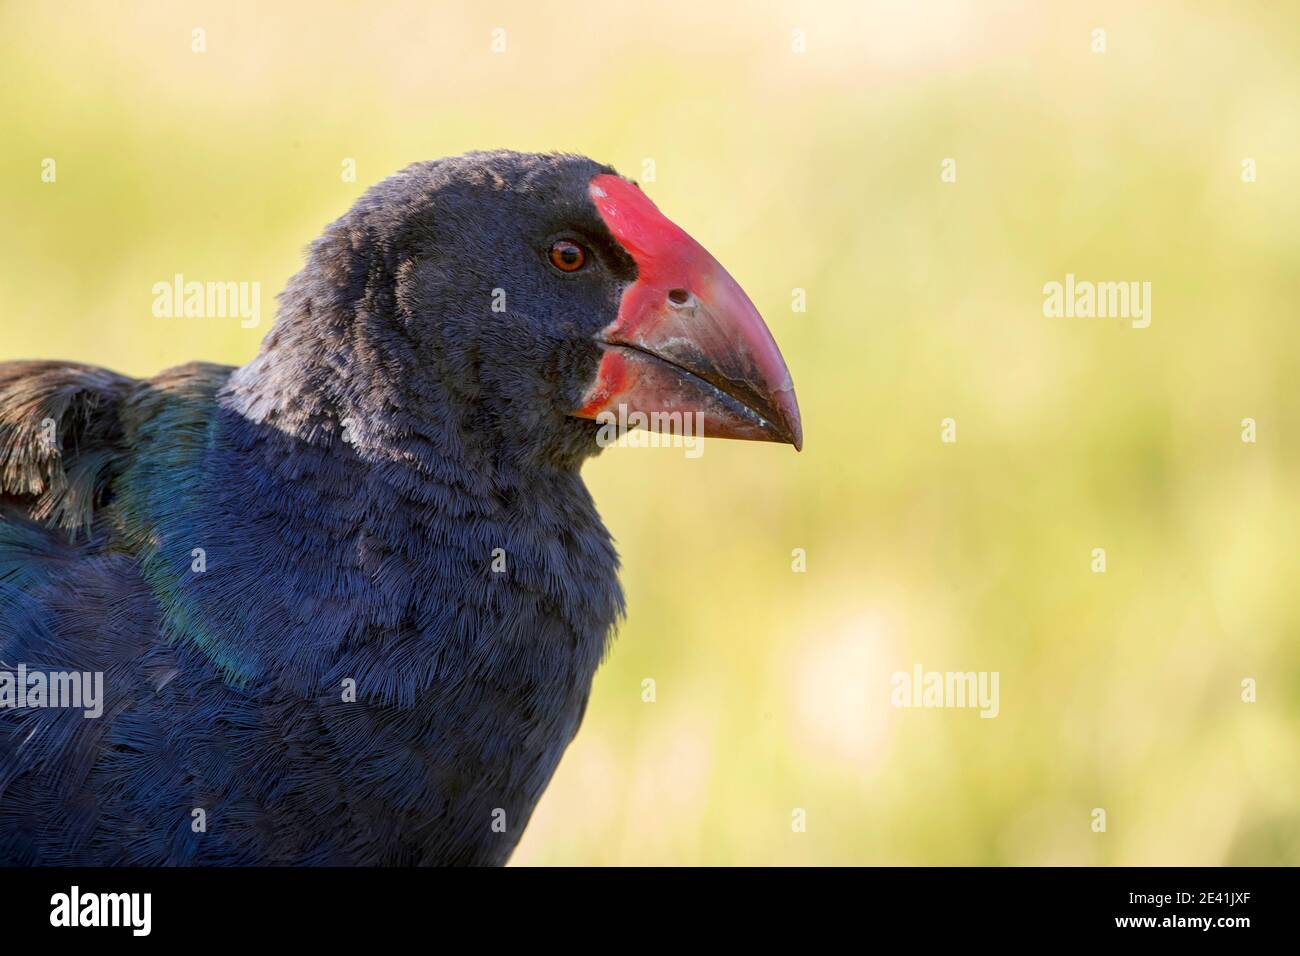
679 297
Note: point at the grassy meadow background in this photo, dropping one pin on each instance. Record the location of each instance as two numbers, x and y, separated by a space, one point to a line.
817 171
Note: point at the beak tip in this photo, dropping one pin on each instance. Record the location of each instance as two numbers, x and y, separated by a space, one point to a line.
791 420
791 431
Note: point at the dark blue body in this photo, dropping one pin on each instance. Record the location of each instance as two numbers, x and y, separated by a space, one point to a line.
348 599
225 687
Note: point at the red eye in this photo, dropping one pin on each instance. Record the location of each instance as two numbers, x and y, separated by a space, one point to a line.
567 255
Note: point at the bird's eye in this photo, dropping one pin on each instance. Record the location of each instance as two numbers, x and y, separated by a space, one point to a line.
567 255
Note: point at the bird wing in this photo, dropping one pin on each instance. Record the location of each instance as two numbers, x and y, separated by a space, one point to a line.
61 444
60 440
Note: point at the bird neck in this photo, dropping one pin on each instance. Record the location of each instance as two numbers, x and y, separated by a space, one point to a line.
369 393
351 539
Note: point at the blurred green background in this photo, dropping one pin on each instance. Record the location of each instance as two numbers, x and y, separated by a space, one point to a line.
818 171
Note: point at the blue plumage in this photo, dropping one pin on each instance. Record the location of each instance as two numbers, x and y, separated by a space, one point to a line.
325 561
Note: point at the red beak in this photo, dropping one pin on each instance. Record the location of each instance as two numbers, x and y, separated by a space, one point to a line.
687 339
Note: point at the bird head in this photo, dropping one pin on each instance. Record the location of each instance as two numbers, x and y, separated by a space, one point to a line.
544 293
